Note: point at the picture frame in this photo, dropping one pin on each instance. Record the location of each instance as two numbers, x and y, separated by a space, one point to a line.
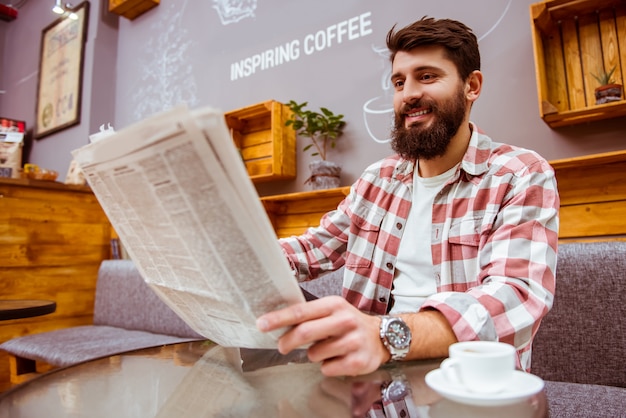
59 89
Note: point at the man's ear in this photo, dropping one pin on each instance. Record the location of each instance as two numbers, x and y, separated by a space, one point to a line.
473 85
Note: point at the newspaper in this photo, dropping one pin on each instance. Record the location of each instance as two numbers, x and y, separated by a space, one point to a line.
177 193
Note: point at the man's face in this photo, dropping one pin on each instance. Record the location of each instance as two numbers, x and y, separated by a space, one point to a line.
429 103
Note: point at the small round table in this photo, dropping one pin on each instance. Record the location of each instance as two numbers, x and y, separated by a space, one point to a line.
25 308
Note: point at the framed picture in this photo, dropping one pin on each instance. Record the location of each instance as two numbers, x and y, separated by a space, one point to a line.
61 72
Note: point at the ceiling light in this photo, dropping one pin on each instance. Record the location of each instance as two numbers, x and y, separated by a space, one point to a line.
58 8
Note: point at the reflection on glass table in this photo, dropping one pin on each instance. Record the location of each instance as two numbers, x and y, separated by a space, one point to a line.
200 379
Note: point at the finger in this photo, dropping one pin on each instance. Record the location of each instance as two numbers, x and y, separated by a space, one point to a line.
309 334
328 336
296 314
339 340
348 335
359 357
353 364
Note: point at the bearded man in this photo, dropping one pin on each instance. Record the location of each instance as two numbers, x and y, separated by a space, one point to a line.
453 238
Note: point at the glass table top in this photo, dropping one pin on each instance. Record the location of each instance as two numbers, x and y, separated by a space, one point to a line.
200 379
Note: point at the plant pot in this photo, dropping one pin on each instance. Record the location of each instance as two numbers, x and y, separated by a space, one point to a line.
324 175
608 93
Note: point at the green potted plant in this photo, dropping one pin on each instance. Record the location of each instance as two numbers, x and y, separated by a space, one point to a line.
323 128
608 90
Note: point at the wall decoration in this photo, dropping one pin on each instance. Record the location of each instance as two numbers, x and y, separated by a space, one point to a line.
61 72
167 77
233 11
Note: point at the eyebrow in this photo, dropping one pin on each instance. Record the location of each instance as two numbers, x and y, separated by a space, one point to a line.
417 69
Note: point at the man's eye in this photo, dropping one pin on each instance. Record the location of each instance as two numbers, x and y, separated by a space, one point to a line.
428 77
398 84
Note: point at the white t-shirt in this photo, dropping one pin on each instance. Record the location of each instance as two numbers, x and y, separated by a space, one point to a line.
414 280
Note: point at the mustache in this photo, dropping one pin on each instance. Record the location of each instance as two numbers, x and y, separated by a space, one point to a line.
408 107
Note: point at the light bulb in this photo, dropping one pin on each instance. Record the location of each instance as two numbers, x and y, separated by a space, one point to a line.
58 8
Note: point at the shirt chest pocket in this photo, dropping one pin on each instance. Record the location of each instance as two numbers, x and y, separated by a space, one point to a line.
464 238
364 232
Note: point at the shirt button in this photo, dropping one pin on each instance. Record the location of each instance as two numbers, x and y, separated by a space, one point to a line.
382 300
399 225
389 266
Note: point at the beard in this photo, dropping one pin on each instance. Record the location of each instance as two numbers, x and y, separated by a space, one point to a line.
420 141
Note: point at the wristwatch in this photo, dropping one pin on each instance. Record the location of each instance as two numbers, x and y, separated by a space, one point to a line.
396 336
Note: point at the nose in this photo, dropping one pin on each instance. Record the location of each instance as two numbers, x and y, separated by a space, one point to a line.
411 91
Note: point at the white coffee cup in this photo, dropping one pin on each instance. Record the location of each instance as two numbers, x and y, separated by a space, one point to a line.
480 366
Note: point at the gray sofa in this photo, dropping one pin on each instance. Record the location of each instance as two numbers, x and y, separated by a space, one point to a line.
128 315
583 337
580 347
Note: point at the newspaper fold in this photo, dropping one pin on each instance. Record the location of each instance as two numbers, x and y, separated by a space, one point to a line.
177 193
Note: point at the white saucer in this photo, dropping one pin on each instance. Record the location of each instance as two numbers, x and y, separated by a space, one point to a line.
523 386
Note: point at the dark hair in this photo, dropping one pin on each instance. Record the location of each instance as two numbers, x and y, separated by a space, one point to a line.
458 40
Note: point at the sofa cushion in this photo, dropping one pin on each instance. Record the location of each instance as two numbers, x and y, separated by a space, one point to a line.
65 347
566 400
583 338
125 300
326 285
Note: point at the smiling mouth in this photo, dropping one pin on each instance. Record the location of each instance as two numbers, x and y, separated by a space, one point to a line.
418 113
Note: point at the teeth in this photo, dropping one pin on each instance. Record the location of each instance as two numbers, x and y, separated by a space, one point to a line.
420 113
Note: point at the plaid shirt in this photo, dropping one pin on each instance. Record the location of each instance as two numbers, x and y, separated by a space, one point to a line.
494 242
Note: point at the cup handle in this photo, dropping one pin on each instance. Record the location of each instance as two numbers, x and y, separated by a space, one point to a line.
450 370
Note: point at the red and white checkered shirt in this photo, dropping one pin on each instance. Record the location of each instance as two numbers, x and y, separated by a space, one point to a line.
494 242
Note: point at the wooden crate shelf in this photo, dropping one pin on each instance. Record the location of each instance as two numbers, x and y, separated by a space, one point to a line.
293 213
267 146
593 196
573 39
131 9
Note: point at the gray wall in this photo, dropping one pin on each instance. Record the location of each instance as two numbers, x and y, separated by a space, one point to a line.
183 51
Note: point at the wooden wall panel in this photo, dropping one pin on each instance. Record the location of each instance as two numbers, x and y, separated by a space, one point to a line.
595 220
592 190
593 196
53 238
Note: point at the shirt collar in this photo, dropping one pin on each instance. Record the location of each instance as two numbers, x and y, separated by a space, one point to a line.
476 159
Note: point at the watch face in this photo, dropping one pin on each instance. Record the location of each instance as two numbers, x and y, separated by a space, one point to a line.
398 334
